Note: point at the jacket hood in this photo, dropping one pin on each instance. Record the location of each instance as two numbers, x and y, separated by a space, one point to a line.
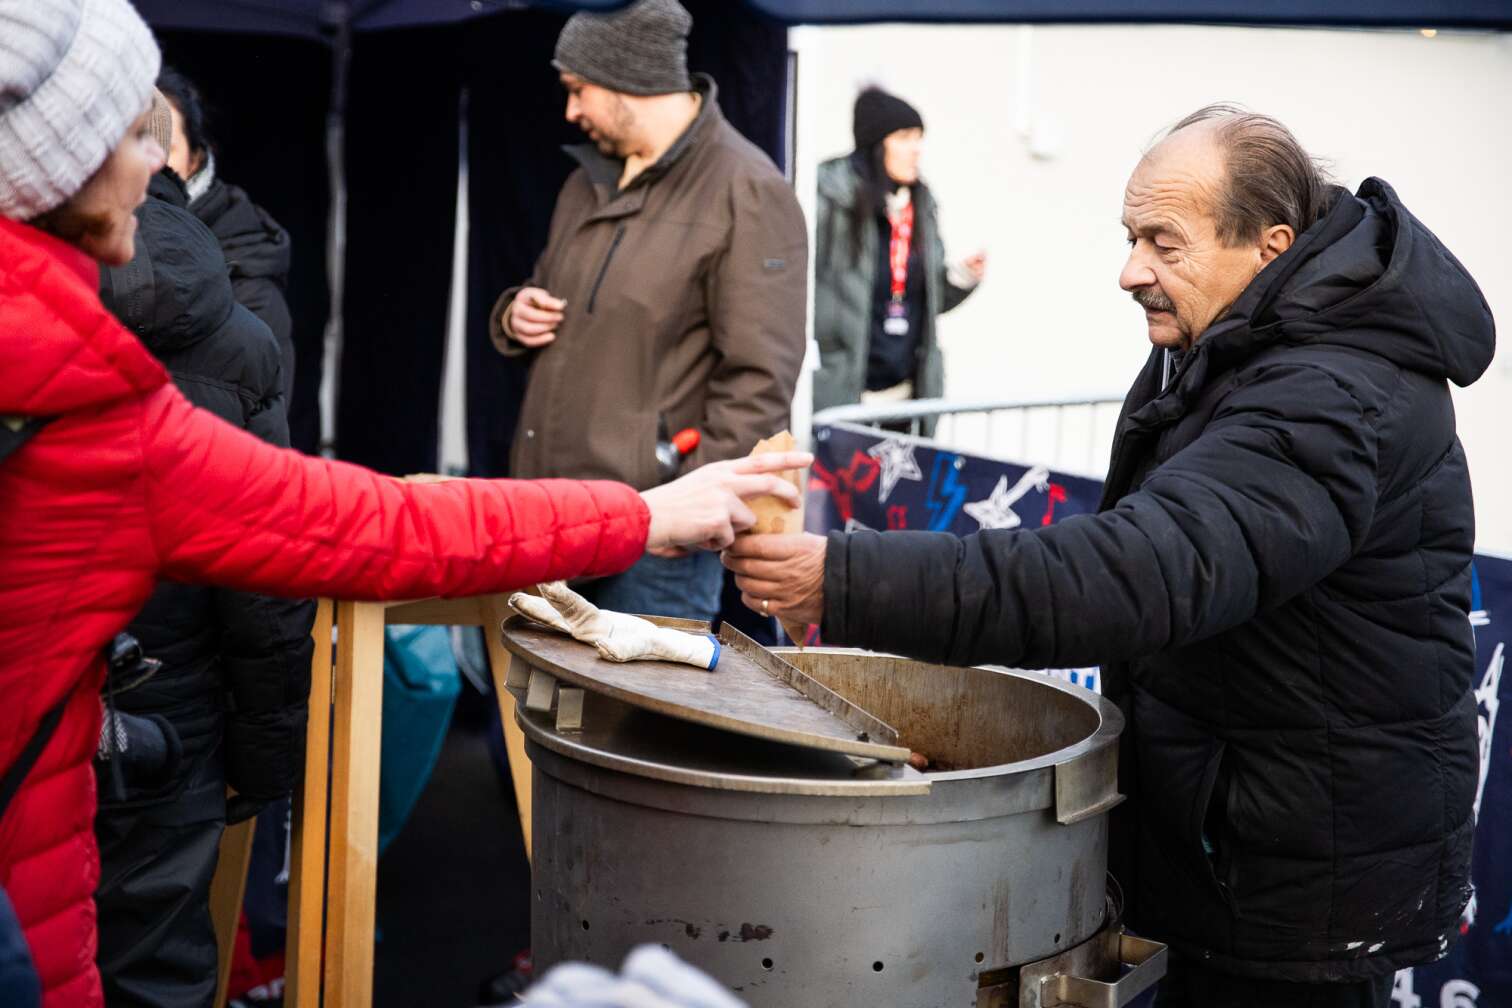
61 350
175 291
1371 276
255 245
168 187
838 180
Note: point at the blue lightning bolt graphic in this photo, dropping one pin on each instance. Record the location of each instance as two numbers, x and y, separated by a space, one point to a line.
946 492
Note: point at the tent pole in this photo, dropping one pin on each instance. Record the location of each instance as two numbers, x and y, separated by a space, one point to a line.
804 53
337 16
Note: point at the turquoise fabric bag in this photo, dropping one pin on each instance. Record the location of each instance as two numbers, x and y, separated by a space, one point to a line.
420 686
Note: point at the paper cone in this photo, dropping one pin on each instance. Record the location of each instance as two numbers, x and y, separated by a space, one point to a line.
774 516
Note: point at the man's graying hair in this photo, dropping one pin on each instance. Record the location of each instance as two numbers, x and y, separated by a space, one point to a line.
1270 178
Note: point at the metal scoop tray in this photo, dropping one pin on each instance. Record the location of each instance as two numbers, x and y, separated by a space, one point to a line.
750 692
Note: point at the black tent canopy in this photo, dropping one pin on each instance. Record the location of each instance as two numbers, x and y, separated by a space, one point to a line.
320 18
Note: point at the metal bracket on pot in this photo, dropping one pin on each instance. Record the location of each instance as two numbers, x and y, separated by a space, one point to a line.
543 693
1146 961
518 677
569 709
1088 785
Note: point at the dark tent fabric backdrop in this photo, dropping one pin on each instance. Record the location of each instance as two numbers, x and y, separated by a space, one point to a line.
272 91
269 96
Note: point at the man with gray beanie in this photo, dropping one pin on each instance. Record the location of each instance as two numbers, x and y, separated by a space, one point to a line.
665 320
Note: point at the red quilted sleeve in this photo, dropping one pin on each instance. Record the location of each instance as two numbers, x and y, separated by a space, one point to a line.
227 508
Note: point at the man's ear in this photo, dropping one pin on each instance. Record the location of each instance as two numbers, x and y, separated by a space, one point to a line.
1275 240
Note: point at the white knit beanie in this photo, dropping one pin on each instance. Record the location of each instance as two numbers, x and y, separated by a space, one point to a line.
74 75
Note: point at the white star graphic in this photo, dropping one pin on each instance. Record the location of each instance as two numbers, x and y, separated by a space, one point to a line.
996 512
851 525
897 460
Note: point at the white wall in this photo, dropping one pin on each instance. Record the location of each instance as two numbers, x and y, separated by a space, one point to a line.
1429 115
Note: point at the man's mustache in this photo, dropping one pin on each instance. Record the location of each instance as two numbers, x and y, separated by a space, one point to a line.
1152 299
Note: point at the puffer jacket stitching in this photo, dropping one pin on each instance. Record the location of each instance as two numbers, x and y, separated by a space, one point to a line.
551 536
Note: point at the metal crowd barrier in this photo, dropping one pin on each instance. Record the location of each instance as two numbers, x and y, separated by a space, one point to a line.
1071 435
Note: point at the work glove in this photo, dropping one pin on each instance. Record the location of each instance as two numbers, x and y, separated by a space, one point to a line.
137 752
652 977
617 636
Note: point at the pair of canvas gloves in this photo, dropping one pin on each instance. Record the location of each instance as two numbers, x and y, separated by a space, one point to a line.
617 636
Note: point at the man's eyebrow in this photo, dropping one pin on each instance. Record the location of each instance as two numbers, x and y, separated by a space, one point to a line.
1155 226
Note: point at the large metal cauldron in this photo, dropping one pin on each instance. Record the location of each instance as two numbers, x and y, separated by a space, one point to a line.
808 879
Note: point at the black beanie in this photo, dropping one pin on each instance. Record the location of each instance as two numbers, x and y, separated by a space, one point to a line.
878 114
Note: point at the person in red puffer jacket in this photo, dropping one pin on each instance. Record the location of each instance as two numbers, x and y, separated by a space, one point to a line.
127 482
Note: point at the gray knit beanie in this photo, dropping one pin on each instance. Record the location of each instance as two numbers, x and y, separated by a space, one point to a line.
74 75
641 50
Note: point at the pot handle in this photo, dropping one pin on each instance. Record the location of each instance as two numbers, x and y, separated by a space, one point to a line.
1087 786
1148 959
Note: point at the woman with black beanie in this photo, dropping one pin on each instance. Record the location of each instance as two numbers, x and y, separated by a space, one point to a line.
881 275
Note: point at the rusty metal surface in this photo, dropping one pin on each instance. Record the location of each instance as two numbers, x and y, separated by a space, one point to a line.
860 720
971 720
751 692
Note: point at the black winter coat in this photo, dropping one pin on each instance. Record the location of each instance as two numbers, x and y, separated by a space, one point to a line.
222 651
845 289
1281 577
257 252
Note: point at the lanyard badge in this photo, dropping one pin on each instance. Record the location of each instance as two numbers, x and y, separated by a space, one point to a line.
902 220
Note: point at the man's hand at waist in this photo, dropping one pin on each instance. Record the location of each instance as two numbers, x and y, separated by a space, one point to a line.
532 318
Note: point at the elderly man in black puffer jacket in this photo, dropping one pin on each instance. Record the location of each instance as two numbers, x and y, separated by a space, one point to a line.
1278 584
231 695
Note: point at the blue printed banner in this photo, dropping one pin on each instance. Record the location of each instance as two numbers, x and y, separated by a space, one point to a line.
864 478
1477 973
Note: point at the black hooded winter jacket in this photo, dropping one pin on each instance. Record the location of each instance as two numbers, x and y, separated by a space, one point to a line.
1278 588
223 652
257 251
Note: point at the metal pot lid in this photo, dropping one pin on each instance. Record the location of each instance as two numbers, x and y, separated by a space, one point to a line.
750 692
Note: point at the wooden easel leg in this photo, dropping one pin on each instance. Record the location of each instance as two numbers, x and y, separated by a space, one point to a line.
226 890
308 836
355 756
495 611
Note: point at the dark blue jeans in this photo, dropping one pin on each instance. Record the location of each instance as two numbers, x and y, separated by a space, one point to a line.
686 587
19 985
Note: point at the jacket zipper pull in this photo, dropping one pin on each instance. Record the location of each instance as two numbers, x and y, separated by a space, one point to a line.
619 233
